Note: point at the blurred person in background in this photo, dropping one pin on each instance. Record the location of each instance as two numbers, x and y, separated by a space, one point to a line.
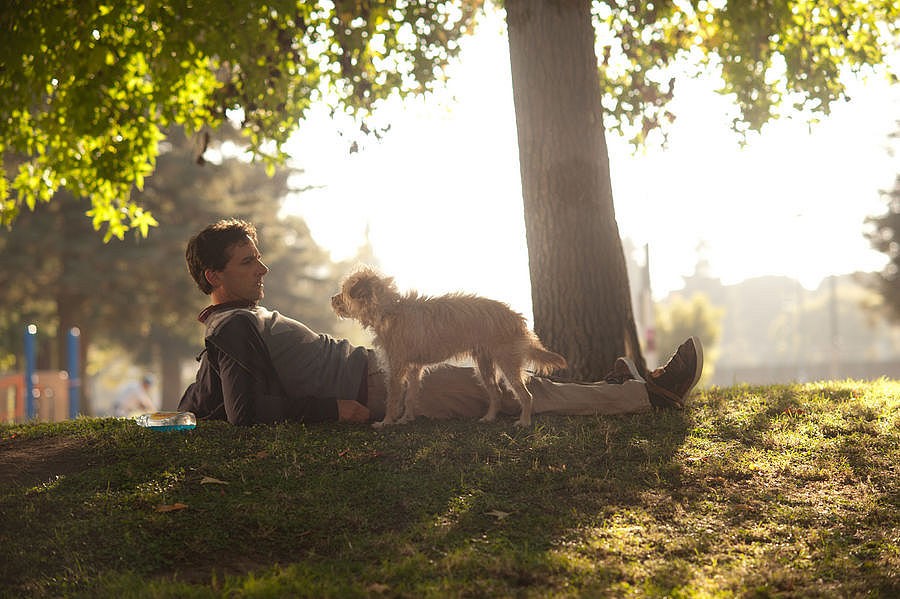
133 398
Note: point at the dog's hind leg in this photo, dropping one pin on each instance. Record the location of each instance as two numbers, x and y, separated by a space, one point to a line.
413 387
487 375
514 377
526 400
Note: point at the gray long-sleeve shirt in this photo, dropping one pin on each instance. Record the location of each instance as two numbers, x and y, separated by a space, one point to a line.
235 383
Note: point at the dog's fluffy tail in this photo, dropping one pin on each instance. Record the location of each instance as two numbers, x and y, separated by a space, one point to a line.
544 360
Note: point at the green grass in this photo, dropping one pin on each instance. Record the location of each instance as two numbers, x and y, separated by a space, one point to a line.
782 491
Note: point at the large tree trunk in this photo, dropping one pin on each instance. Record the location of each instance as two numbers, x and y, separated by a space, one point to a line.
579 282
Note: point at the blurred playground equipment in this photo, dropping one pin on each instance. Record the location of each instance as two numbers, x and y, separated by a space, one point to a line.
45 395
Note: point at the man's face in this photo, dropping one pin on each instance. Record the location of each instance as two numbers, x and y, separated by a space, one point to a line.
242 277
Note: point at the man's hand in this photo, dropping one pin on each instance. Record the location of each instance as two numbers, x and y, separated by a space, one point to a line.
352 411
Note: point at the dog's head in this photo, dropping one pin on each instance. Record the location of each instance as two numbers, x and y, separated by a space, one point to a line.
364 294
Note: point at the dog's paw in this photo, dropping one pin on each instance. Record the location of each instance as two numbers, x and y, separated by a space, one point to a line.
523 423
382 424
489 417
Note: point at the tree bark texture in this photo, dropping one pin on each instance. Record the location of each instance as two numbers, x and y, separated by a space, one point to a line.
580 291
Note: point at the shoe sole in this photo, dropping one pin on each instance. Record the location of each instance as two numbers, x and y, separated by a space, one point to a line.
698 370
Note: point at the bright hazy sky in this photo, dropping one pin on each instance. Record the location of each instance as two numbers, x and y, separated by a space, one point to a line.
441 197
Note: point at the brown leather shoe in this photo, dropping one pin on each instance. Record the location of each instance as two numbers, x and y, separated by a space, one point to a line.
670 385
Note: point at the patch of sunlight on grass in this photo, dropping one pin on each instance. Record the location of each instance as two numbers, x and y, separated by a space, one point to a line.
570 559
159 487
457 507
786 439
50 484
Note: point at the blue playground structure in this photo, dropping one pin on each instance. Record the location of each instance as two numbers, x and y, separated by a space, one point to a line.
54 389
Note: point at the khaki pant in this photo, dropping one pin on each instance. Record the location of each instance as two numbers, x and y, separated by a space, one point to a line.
455 392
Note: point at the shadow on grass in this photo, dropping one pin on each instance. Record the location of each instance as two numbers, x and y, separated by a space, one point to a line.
751 491
447 494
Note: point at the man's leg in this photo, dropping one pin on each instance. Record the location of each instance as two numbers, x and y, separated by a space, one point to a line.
625 391
585 399
455 392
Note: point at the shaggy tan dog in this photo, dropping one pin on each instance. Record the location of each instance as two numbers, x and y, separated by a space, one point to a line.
414 331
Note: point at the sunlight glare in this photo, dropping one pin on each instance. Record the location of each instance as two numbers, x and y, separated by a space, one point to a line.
440 195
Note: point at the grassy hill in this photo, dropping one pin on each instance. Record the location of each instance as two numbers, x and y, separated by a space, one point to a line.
783 491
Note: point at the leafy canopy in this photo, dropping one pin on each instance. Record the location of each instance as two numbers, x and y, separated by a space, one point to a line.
86 88
768 53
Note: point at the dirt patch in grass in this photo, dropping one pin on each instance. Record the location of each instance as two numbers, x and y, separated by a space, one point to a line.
29 461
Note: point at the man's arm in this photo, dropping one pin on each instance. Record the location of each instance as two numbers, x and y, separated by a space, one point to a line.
250 390
240 388
203 397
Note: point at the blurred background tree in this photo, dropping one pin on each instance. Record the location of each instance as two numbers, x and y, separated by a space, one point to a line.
679 318
884 235
135 294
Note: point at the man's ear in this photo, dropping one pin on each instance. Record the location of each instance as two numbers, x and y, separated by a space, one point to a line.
212 277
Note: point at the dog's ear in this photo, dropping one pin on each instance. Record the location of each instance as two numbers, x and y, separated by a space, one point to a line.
361 289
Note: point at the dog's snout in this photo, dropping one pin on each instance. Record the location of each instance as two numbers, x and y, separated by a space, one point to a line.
337 304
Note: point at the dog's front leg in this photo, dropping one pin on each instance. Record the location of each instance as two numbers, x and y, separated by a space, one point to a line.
394 401
413 387
487 376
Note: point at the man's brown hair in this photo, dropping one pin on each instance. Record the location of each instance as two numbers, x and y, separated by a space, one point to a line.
211 248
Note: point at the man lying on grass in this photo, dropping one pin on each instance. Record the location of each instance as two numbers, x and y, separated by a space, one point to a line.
260 367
